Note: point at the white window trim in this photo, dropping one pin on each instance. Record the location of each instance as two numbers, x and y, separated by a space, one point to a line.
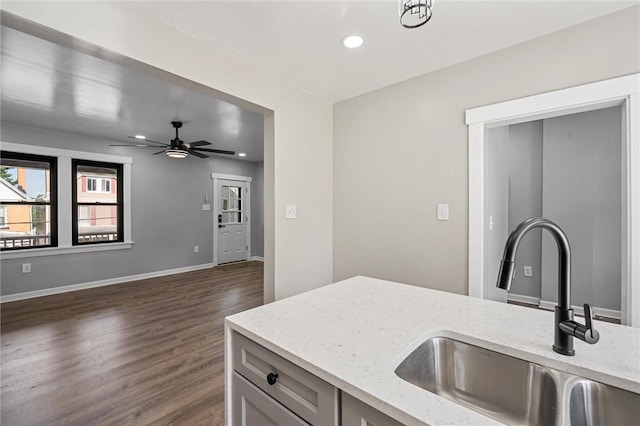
64 207
247 180
623 91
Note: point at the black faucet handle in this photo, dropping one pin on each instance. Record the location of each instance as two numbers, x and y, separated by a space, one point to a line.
585 332
588 316
590 335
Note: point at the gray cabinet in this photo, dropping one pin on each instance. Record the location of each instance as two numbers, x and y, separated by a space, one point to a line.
307 396
266 389
252 407
357 413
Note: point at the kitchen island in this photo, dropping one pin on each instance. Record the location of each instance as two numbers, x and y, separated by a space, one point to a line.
354 333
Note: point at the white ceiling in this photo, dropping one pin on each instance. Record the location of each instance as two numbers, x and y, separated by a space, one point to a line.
299 41
50 86
46 85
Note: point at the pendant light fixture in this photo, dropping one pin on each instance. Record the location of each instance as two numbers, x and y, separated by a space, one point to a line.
415 13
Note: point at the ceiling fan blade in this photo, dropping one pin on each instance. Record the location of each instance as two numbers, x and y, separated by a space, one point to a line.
159 152
148 140
197 154
217 151
138 145
198 143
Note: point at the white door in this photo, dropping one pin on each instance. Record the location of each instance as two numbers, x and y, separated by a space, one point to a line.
232 221
496 209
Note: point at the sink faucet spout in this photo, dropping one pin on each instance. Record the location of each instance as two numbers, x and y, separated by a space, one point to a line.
565 327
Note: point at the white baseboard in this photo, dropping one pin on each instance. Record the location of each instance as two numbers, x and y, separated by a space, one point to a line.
603 312
258 258
523 299
100 283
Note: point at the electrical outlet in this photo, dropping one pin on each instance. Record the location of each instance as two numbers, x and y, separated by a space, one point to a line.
26 268
196 249
528 271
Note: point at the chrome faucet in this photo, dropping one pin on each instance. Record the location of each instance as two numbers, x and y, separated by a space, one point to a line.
565 327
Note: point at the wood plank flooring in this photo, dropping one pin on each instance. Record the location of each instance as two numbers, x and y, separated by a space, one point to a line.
146 352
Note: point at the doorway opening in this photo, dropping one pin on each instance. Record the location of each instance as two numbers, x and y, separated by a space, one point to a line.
104 102
566 169
485 183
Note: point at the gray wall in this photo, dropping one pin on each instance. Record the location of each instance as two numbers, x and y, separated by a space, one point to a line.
167 216
400 150
525 201
582 192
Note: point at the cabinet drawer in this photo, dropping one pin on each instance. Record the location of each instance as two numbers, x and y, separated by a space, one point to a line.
357 413
252 407
306 395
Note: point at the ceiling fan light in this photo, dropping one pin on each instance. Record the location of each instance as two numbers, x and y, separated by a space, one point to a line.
177 153
143 137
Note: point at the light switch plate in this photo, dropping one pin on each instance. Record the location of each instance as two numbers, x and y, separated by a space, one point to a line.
206 207
443 212
291 212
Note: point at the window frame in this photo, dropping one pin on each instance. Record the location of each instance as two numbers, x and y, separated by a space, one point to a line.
119 204
53 197
64 157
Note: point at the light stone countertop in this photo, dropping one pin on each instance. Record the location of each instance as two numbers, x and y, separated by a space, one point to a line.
355 332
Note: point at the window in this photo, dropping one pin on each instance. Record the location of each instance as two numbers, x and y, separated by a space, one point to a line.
95 184
28 201
231 205
46 211
3 218
97 210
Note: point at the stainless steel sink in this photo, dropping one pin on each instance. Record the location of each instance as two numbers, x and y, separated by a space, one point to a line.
512 390
593 403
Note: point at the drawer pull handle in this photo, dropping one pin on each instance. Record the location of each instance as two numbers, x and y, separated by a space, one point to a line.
272 378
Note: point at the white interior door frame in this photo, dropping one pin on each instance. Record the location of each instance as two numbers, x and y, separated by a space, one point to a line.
247 179
624 91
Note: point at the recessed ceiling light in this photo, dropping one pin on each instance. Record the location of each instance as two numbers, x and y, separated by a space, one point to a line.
242 154
140 137
352 41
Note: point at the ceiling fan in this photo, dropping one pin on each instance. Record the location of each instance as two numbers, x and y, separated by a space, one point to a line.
177 148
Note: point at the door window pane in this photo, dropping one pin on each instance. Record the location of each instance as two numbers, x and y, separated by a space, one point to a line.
231 208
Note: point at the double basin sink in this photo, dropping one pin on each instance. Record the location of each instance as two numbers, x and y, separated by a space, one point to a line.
512 390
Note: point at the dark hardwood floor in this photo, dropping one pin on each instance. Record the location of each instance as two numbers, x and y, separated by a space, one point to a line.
145 352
